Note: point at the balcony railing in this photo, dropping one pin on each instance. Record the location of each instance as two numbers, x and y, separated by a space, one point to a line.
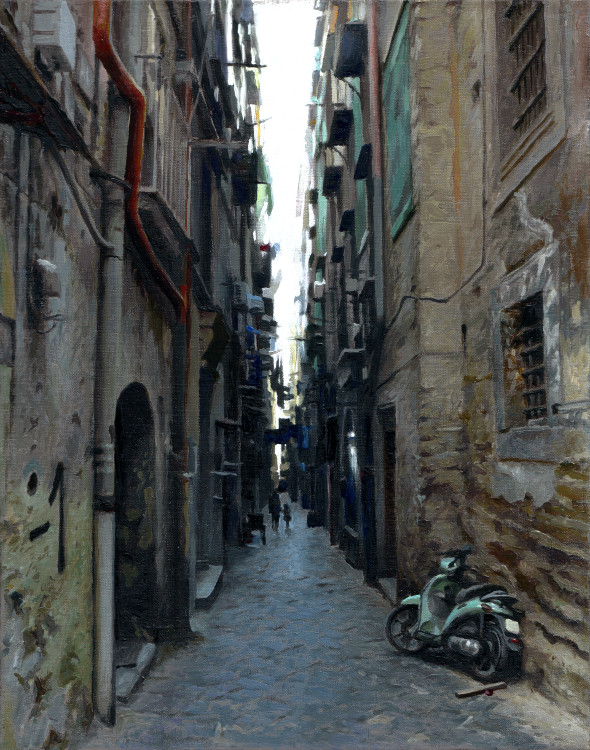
166 153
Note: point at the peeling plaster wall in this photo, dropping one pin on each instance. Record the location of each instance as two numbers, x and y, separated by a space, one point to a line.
48 415
47 418
526 503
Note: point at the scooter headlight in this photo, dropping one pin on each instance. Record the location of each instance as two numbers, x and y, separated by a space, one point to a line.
512 626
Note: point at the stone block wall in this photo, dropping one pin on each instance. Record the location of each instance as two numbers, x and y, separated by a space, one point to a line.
519 497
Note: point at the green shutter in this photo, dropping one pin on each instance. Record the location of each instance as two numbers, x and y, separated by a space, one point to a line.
396 106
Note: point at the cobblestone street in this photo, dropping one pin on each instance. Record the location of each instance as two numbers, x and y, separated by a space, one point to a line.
293 655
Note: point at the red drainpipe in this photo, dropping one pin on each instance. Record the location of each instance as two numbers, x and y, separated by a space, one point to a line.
101 35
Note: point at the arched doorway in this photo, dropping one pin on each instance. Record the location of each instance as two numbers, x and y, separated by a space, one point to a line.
135 545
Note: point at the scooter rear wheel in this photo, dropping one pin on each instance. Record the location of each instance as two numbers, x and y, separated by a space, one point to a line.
493 661
398 626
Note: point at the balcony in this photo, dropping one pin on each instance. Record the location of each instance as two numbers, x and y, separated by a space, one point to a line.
267 323
244 178
24 100
350 368
165 161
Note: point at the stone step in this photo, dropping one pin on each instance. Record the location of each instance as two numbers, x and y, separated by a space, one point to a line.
131 673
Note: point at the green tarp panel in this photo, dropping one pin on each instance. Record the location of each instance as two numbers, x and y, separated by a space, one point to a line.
396 106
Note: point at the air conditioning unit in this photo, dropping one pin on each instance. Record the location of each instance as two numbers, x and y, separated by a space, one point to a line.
54 32
240 294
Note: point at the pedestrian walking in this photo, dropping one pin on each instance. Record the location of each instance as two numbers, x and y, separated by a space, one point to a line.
285 500
287 514
274 508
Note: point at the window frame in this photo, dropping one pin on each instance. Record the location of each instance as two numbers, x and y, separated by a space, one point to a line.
541 273
509 168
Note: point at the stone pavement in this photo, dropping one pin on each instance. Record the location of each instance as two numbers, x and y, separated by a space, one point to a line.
293 655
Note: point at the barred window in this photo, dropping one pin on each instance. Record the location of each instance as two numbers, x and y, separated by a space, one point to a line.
521 55
523 347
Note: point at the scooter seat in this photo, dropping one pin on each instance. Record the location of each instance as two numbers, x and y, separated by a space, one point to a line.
481 589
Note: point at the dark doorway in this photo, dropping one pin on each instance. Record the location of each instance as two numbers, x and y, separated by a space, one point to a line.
389 541
135 544
351 474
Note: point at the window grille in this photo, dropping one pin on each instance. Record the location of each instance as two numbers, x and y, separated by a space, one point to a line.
526 45
524 355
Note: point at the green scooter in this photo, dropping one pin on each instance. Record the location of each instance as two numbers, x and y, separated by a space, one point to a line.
476 624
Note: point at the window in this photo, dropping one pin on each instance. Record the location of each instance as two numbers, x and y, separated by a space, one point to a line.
527 361
524 361
527 48
522 65
531 63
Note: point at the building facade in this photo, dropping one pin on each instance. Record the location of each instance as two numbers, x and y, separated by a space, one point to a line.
460 378
134 195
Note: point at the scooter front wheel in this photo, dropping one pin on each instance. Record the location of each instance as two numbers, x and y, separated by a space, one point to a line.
398 629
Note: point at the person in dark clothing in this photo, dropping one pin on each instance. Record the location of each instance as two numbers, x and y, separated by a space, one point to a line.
274 507
284 500
287 514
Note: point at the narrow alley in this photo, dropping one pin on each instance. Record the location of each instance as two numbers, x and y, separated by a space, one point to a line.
292 655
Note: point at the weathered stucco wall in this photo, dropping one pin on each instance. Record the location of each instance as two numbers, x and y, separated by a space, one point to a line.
46 675
48 395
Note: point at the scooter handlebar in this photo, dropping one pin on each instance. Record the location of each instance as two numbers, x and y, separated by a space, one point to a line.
462 553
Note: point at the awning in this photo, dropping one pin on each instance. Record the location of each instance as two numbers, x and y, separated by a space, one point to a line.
352 50
347 221
340 127
25 102
363 163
